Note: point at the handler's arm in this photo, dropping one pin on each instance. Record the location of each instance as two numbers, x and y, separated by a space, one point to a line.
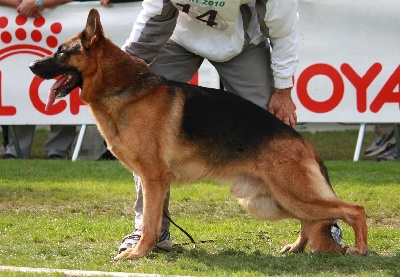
10 3
33 8
279 23
152 29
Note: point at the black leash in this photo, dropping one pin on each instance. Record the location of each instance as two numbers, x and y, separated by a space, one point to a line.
260 235
183 231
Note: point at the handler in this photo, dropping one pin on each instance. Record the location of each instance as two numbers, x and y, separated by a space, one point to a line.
251 43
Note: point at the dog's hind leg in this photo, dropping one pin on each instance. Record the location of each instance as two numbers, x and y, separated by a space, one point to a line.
318 234
254 197
306 194
354 215
327 210
321 239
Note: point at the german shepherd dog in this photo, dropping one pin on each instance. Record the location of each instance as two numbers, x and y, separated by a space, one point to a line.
174 132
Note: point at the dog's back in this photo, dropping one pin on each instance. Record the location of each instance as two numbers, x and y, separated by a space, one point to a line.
227 125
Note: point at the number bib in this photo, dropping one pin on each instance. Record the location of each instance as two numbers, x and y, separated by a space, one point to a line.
220 15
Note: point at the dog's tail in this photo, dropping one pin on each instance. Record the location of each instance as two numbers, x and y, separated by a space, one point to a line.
324 171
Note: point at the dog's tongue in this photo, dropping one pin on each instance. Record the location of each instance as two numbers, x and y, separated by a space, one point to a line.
51 97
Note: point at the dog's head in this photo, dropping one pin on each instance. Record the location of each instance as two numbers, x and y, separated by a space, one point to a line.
72 58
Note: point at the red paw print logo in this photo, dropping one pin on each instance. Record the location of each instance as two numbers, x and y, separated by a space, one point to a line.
36 35
20 38
27 36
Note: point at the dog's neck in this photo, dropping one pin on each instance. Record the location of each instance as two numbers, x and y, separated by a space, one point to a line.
112 62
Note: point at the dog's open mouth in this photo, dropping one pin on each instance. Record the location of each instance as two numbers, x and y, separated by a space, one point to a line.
62 87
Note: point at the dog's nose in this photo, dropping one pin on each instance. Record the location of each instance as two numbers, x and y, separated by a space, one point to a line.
32 66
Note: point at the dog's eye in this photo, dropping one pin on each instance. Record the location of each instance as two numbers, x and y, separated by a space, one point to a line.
60 55
61 52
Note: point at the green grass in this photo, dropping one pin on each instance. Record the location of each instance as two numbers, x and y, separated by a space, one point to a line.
62 214
338 145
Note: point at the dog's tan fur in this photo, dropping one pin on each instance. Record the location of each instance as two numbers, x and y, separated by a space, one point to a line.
142 118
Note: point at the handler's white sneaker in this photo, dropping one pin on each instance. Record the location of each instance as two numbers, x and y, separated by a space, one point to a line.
390 154
130 241
337 234
381 143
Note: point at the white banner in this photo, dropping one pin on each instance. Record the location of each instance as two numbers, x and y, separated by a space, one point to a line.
349 60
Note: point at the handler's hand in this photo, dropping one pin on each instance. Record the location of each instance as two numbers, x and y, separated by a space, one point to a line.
105 3
29 8
281 105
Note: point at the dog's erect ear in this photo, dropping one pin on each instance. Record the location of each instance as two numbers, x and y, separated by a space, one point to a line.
93 31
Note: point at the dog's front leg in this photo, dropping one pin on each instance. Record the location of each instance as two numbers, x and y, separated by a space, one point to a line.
154 192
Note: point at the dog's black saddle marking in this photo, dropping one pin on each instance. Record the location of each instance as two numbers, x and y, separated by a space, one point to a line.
226 124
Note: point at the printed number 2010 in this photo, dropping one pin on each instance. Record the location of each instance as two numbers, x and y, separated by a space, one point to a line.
212 3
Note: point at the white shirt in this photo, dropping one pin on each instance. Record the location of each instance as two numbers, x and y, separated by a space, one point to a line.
216 30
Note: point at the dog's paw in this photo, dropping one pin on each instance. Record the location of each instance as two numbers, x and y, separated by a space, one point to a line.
291 248
123 254
357 251
130 254
286 248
